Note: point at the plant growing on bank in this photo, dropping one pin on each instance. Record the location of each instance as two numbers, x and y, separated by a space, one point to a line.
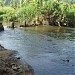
56 12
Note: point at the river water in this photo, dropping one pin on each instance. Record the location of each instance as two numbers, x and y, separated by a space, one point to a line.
49 50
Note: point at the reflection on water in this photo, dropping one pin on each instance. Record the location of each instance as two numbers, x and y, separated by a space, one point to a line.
55 32
46 49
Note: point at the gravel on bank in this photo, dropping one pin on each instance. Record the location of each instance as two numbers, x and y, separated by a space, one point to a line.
11 65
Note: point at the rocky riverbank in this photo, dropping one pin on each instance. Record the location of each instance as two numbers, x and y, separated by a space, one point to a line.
10 65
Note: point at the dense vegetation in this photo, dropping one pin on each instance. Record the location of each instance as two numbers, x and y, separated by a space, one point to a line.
52 12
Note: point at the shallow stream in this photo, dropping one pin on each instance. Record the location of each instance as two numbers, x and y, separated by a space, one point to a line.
49 50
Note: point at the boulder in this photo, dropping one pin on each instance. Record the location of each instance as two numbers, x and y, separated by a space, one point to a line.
12 24
1 27
1 48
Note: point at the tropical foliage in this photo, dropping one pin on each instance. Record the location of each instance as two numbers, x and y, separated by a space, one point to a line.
56 12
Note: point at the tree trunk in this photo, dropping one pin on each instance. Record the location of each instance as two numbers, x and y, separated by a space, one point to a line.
59 24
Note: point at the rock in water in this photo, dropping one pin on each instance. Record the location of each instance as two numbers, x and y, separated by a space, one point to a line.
1 47
1 27
12 24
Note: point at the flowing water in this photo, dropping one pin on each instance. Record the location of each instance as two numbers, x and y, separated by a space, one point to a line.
49 50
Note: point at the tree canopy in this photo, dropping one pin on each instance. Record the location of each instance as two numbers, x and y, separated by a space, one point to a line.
56 12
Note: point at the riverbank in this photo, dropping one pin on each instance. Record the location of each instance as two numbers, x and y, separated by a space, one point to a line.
10 65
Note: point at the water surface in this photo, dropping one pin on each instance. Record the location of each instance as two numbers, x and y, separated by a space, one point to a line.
46 49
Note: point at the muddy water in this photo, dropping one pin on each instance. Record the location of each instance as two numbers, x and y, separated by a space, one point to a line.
49 50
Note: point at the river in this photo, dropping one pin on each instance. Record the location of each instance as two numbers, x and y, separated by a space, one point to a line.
49 50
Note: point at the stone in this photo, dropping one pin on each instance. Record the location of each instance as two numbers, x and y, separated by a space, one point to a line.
1 48
14 67
1 27
72 65
12 24
67 60
18 58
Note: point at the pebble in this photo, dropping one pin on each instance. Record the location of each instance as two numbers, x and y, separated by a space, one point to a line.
66 60
72 65
18 57
14 67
